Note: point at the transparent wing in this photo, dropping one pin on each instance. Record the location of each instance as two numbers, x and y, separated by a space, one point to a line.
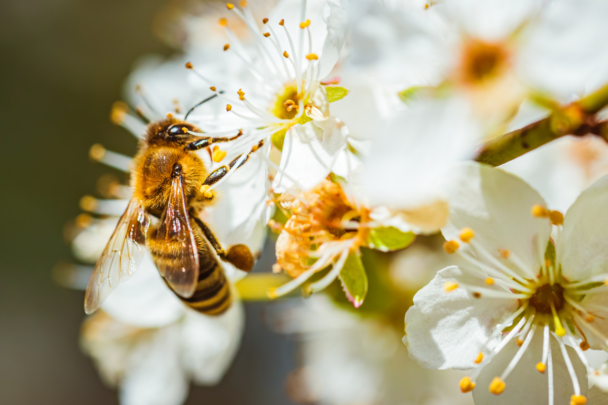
181 268
121 257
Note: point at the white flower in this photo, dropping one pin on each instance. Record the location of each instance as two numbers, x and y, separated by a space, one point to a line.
519 289
282 97
347 359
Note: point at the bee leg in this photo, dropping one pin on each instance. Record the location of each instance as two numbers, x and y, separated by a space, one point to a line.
238 255
222 171
203 142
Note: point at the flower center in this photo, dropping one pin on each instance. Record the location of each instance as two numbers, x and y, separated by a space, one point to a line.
287 103
546 295
482 60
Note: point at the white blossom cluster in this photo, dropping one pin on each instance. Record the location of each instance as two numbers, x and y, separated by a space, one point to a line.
382 122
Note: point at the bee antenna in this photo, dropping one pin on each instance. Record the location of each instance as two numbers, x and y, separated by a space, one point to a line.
201 103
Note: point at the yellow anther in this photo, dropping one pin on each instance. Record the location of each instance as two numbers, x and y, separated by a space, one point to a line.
497 386
213 88
539 211
265 20
97 151
451 246
450 286
218 155
479 358
589 318
606 281
243 3
226 47
272 293
88 203
117 114
189 65
519 342
266 34
304 24
285 54
223 22
288 103
282 22
466 234
578 400
84 220
229 6
541 368
466 385
560 331
241 94
228 107
312 56
556 217
476 295
584 345
489 281
169 115
426 6
504 253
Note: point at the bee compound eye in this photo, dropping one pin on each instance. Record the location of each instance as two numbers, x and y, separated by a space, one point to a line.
179 129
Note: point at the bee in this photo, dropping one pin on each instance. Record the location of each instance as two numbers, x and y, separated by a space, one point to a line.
170 183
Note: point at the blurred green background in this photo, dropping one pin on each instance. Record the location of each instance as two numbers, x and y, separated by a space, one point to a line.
63 64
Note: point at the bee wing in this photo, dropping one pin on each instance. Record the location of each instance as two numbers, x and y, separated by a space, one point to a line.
181 270
121 257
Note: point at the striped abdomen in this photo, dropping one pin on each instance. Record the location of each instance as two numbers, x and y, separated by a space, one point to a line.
212 295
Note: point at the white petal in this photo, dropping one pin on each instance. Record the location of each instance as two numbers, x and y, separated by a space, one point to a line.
239 211
144 300
583 242
448 330
566 48
497 206
525 385
154 375
398 172
335 17
309 153
209 344
591 303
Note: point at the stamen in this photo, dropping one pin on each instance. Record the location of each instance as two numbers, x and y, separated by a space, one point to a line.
312 56
103 207
489 281
556 217
333 273
228 107
223 22
550 379
497 386
218 154
229 6
539 211
282 22
109 158
559 329
304 24
296 282
451 246
578 400
546 347
266 34
285 54
241 94
466 234
479 358
450 286
541 368
466 385
264 21
518 355
575 384
226 47
207 193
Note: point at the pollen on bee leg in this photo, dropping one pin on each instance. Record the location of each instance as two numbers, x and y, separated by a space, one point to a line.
497 386
556 217
479 358
539 211
226 47
541 368
466 385
451 246
450 286
312 56
466 234
578 400
218 155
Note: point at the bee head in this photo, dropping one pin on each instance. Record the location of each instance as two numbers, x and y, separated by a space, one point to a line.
171 130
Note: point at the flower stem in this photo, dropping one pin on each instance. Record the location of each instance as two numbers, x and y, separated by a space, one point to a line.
575 119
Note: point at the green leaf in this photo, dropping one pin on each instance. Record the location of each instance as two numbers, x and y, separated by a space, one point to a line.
278 138
354 279
412 93
335 93
389 238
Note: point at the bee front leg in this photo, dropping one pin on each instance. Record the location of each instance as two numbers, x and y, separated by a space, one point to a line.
222 171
